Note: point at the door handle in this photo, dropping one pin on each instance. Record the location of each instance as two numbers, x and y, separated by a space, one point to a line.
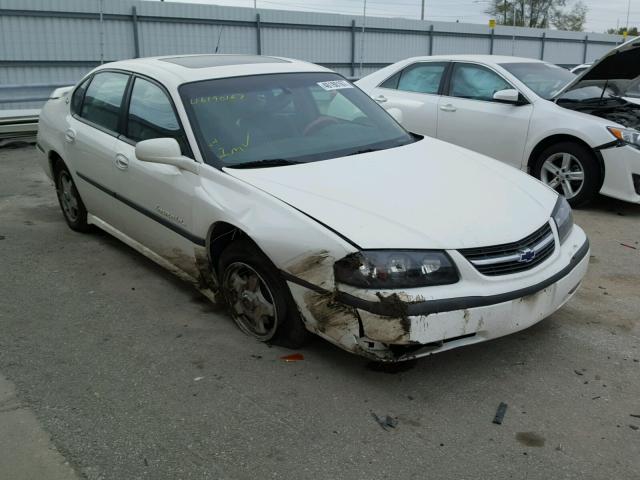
380 99
122 162
448 108
69 135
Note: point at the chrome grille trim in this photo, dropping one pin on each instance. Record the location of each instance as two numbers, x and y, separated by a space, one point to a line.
509 258
514 257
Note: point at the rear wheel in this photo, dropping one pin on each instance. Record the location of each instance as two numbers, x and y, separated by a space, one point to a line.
71 204
258 298
570 169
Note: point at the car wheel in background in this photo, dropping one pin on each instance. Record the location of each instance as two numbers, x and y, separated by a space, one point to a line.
71 204
258 298
570 169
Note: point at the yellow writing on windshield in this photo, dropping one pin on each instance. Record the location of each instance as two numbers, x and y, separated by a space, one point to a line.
221 152
234 97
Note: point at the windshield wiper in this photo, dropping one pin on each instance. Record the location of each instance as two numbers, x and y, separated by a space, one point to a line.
364 150
271 162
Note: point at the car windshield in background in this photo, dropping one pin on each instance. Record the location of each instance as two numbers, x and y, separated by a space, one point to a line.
543 78
633 90
279 119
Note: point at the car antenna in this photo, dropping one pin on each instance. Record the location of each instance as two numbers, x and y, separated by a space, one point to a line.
219 36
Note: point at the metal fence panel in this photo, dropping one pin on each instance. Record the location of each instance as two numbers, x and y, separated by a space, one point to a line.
45 43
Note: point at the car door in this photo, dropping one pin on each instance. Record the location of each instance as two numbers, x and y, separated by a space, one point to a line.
90 140
469 116
414 90
158 197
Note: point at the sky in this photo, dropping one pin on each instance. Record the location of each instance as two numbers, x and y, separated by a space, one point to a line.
602 14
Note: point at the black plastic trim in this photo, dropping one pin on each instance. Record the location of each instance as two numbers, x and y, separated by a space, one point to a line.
153 216
390 309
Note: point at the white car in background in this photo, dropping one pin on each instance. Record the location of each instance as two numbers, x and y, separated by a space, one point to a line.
283 187
576 134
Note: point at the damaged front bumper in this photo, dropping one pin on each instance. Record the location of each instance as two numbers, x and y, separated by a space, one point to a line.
398 326
622 173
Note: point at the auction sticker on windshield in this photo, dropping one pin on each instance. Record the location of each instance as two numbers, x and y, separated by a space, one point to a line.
335 85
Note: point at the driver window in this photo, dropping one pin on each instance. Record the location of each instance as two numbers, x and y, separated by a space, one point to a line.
151 115
476 82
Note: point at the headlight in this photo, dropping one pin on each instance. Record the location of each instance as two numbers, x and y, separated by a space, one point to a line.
396 269
626 135
563 217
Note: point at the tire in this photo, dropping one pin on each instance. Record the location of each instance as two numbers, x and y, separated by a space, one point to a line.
72 206
258 298
560 167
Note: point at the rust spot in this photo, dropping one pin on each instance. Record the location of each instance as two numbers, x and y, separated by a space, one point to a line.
309 263
332 318
397 306
316 268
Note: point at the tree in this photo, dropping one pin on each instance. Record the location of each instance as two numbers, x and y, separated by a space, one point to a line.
633 31
561 14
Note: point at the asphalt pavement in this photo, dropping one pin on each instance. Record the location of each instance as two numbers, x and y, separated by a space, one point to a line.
131 374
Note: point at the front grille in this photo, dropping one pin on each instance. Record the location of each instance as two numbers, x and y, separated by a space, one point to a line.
513 257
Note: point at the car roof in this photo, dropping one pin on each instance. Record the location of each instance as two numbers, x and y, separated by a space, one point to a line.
175 70
477 58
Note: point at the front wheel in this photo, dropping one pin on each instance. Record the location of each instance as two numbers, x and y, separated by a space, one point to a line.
570 169
258 298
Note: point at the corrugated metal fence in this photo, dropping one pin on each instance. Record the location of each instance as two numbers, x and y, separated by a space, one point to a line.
45 43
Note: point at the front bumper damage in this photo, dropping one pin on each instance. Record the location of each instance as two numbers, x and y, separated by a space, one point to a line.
396 326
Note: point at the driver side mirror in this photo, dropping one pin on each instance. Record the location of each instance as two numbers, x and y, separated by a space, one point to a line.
510 95
165 151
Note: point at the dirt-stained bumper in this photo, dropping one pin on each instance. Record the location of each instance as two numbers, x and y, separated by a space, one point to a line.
394 330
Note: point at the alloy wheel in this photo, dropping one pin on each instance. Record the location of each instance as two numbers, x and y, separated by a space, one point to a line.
68 197
251 301
564 173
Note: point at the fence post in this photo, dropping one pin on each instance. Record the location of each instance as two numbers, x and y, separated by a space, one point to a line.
491 41
136 41
258 34
431 39
586 46
542 42
353 48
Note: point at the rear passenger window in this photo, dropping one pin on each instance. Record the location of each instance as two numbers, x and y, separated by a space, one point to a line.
103 99
422 78
151 115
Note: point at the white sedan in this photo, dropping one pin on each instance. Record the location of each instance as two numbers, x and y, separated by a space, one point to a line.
576 134
284 188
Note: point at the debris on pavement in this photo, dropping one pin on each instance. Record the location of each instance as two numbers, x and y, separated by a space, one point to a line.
502 409
257 357
634 415
197 379
628 246
634 427
294 357
385 421
578 372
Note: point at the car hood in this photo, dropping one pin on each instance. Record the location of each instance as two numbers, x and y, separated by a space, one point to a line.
428 194
618 68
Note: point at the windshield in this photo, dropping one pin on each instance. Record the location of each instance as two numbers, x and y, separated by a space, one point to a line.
544 79
633 90
285 118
